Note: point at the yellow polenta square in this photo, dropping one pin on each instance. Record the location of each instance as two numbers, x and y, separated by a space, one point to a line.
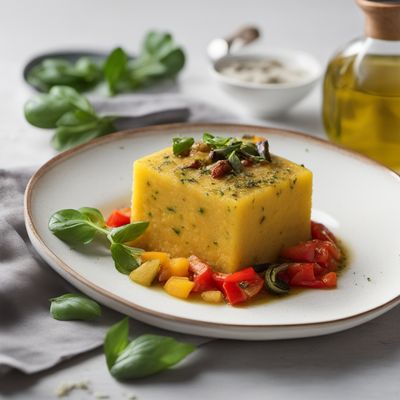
232 222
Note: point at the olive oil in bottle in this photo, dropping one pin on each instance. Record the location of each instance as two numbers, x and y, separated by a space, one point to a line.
361 101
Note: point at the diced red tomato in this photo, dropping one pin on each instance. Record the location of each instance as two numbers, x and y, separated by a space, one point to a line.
321 232
119 217
310 275
323 252
202 275
330 279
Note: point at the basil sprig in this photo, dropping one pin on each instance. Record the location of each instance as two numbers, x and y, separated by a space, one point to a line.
82 75
160 58
72 306
70 114
144 356
81 226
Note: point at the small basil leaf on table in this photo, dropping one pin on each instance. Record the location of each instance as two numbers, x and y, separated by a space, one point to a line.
127 233
74 307
148 355
116 341
72 227
144 356
124 259
181 145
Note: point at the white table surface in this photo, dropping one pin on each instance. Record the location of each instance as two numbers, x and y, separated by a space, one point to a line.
363 363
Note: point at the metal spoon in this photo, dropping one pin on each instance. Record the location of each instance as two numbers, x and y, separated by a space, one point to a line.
220 47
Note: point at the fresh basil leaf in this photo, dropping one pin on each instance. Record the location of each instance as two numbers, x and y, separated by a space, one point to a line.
181 145
70 94
82 75
94 215
72 227
72 306
249 149
76 117
224 152
235 162
66 137
148 355
125 260
154 42
114 68
215 141
43 110
116 341
127 233
263 150
173 62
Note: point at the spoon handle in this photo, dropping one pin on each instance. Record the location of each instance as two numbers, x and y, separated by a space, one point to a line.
244 36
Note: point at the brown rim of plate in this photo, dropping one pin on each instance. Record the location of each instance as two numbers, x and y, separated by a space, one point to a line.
179 126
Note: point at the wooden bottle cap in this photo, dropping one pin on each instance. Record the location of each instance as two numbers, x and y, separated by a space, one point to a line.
382 19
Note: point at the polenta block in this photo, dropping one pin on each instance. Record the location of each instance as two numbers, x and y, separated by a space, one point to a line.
240 220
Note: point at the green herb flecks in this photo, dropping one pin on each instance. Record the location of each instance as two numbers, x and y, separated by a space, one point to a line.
144 356
176 230
72 306
81 226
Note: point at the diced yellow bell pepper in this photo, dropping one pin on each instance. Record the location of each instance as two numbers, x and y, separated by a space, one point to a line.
212 296
179 286
146 273
156 255
177 267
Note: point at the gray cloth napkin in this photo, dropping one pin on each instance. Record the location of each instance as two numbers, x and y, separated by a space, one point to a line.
30 340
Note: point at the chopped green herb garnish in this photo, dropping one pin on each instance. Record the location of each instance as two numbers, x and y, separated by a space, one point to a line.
181 145
202 210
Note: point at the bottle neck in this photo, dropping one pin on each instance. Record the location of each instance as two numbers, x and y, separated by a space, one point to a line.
381 47
382 19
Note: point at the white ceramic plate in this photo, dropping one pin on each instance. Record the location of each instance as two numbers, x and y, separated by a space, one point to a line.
355 197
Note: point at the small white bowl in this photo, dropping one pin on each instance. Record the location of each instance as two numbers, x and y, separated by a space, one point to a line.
262 99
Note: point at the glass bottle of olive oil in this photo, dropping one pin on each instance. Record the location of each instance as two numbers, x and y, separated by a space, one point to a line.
361 100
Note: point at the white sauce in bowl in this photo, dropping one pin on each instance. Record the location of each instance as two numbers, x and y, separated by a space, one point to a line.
262 71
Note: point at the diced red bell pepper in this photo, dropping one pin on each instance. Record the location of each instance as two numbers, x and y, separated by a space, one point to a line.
119 217
323 252
246 274
321 232
234 294
239 286
219 279
202 275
